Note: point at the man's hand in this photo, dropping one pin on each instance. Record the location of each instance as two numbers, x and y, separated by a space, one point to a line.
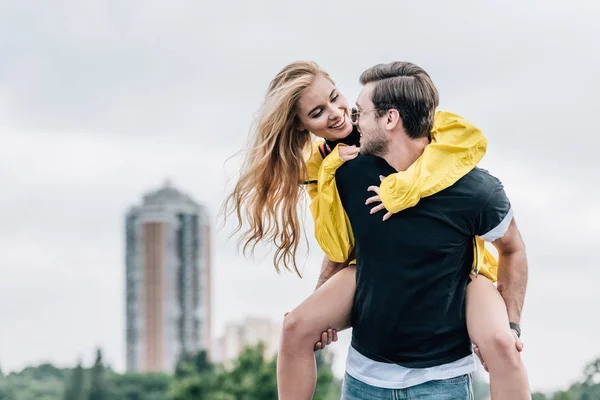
377 199
326 339
328 269
518 342
518 345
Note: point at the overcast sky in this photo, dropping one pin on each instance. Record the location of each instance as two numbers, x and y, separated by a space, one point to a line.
101 101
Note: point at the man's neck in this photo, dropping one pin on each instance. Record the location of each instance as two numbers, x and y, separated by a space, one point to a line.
403 152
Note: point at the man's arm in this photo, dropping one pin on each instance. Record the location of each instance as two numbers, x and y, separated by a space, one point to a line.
328 269
512 271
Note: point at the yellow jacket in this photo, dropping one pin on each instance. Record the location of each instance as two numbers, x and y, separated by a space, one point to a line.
456 148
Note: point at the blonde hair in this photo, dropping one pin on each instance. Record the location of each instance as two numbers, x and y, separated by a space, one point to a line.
266 196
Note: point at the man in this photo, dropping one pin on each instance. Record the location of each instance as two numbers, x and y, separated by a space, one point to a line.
409 330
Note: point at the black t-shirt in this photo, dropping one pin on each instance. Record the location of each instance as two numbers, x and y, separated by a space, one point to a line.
413 269
353 139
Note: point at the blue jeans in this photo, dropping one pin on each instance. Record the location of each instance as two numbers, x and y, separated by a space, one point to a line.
458 388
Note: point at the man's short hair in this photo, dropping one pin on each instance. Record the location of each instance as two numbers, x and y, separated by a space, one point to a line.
407 88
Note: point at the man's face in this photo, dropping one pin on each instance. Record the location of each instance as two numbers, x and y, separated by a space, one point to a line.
373 139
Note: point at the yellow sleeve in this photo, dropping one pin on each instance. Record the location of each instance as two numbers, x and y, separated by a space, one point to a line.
456 148
332 226
313 164
484 263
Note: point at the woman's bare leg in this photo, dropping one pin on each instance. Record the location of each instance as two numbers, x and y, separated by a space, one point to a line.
328 307
487 321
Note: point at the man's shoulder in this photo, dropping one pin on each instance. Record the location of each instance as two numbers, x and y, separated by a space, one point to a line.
478 184
481 178
364 163
363 170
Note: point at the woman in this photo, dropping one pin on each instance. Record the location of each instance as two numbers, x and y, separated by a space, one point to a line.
301 100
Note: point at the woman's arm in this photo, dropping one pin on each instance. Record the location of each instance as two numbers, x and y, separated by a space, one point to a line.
331 224
456 148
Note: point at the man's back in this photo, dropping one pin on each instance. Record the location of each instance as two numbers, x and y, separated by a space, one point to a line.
413 269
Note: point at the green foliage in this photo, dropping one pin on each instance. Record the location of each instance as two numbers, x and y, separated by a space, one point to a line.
132 386
98 387
587 389
251 377
16 387
76 385
538 396
592 372
563 396
327 386
190 364
44 371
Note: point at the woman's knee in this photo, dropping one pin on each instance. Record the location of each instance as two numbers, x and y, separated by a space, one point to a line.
501 349
294 329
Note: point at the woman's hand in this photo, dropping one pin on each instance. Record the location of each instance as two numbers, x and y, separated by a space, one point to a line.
348 152
377 199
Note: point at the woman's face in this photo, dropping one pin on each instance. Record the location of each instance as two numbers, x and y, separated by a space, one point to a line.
323 110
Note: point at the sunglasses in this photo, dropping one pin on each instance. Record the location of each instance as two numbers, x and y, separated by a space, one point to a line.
355 114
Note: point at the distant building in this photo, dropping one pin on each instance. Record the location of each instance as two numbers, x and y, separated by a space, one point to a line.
168 290
249 332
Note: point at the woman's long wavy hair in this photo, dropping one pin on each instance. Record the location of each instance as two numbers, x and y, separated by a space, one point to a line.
266 196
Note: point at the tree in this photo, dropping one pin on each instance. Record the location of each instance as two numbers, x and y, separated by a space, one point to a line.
563 396
98 388
135 386
6 392
75 389
197 378
327 386
189 364
252 378
202 363
592 372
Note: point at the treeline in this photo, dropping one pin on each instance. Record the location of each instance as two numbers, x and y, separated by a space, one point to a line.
587 389
251 377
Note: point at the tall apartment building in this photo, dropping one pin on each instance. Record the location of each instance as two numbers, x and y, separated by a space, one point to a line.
168 263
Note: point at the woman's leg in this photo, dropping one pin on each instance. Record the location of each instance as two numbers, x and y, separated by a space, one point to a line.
487 321
328 307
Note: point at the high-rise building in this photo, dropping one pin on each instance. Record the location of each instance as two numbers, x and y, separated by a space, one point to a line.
249 332
168 264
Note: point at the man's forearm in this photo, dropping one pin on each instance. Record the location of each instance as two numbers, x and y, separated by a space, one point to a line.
328 269
512 282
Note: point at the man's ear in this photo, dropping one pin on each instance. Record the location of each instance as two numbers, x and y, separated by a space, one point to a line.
393 119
